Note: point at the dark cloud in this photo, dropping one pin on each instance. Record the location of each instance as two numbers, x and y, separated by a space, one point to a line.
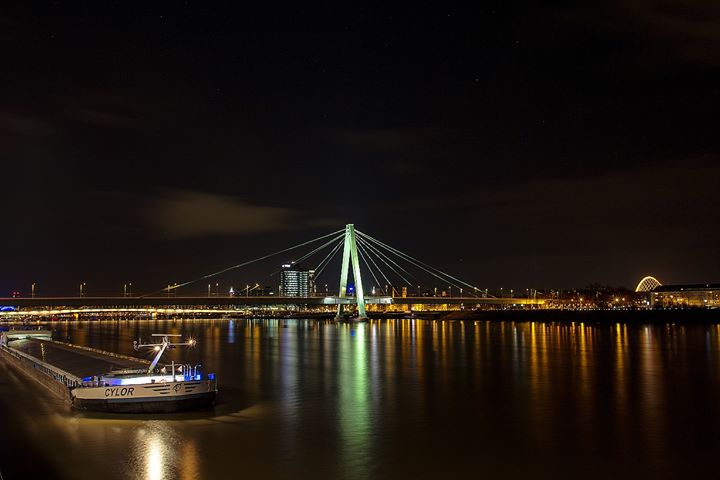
18 125
685 30
185 214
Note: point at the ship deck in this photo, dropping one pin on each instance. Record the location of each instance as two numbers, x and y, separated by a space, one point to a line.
78 361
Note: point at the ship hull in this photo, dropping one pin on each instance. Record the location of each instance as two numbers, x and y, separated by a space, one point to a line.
140 405
147 398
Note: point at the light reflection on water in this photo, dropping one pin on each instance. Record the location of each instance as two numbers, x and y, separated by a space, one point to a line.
158 452
306 399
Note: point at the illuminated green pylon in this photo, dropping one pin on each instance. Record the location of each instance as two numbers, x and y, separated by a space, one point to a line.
350 254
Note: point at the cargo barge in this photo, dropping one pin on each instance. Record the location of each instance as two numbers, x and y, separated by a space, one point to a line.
129 385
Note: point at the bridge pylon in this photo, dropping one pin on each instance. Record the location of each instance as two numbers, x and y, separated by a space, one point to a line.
350 255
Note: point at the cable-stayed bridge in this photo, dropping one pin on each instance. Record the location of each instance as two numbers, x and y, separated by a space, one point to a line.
364 258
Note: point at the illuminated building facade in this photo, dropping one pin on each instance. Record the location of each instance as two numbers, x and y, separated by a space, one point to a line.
691 295
295 281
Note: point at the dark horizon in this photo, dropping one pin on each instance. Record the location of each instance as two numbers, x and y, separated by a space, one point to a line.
514 145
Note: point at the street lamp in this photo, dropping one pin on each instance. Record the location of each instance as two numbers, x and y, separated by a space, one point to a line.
32 290
82 289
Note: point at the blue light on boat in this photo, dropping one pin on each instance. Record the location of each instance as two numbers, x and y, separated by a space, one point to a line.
211 376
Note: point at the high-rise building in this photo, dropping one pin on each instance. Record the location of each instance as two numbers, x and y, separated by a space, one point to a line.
295 281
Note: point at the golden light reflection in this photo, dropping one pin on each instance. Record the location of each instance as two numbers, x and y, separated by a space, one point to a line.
652 392
154 466
190 468
160 453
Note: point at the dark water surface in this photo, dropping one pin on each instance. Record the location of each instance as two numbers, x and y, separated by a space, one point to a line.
393 399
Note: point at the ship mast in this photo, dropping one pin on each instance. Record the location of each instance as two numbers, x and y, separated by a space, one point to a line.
160 347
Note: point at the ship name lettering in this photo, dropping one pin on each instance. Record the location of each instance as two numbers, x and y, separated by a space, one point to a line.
119 392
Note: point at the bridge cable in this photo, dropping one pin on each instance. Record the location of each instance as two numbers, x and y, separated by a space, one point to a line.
385 259
308 255
173 287
418 263
378 252
380 256
362 257
444 280
412 260
361 247
327 259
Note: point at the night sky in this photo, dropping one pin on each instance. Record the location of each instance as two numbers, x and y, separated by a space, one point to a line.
513 144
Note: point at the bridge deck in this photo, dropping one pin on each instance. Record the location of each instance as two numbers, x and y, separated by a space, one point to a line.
79 362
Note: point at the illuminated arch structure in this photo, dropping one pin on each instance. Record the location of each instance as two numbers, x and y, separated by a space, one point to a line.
647 284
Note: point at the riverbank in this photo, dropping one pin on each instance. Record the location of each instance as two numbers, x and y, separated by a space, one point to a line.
539 315
589 316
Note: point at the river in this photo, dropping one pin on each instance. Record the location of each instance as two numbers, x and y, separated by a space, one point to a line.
392 399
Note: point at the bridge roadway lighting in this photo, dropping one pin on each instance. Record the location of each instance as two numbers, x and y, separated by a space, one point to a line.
208 290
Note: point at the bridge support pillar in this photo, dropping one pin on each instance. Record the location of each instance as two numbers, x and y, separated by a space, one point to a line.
350 256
